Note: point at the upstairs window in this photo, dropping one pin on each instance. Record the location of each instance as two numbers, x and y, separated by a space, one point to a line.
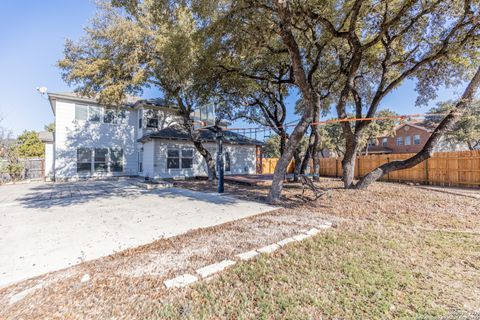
416 139
408 140
384 142
94 113
372 143
151 119
399 141
81 112
114 116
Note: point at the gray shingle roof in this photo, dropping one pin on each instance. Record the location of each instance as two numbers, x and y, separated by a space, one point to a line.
178 133
46 136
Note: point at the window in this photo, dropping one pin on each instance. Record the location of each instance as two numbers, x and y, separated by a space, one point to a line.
114 116
152 119
384 142
408 140
173 159
81 112
140 119
101 160
140 160
372 143
94 114
109 116
416 139
227 161
116 160
187 158
399 141
84 160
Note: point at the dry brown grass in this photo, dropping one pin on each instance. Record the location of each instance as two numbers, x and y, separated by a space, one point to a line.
429 239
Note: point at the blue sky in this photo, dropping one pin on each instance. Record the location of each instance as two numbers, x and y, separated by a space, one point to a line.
32 35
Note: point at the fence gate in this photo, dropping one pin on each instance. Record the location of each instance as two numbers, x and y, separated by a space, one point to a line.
34 168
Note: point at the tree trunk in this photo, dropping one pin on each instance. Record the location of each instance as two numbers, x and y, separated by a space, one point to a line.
428 149
316 141
283 162
298 165
286 33
195 137
348 162
308 154
283 141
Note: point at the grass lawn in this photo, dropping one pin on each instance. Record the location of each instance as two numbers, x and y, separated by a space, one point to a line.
397 252
359 271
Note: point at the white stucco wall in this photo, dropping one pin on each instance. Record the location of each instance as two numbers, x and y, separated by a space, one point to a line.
71 134
49 156
242 159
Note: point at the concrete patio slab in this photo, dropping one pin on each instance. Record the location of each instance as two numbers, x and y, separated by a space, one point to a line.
47 227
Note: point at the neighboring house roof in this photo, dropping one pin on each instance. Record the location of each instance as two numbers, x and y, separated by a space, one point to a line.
46 136
178 133
418 124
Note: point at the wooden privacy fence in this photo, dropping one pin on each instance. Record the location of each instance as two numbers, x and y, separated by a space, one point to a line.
444 168
269 164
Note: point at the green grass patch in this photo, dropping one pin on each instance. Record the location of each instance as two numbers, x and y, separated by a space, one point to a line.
367 271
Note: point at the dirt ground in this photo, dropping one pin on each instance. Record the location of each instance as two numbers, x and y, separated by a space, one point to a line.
129 284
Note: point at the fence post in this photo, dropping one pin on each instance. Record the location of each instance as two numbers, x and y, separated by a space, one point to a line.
388 174
426 172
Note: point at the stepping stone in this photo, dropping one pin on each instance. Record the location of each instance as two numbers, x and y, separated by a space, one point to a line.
301 237
312 231
247 255
269 249
214 268
180 281
325 226
284 242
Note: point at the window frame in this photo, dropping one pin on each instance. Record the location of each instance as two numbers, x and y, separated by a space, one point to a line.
120 161
105 162
384 142
415 141
149 118
408 140
90 154
182 157
171 148
399 141
227 162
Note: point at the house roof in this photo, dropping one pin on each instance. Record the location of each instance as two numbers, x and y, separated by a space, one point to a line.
46 136
417 124
178 133
130 101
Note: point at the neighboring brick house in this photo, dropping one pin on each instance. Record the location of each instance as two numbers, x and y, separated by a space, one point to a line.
409 138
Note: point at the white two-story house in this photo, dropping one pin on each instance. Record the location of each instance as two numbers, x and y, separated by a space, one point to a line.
139 138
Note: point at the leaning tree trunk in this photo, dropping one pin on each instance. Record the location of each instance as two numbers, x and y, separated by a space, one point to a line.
283 141
428 149
195 137
283 162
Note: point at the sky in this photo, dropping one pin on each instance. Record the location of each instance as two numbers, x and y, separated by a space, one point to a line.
32 37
